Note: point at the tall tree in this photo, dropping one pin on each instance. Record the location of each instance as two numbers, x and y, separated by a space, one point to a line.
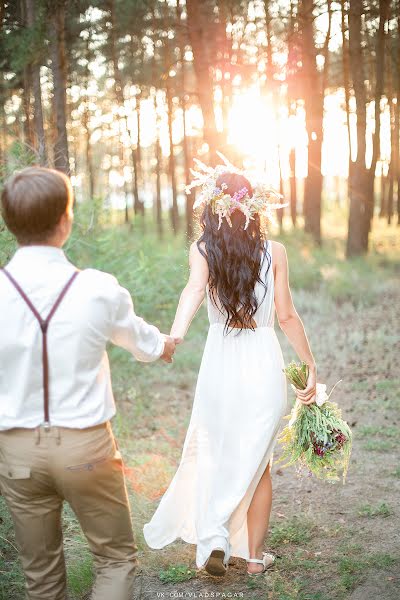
362 178
200 20
59 72
34 25
313 95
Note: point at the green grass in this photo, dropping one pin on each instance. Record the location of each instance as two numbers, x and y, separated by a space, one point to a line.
295 531
79 560
379 445
176 574
388 390
354 564
11 578
372 430
80 575
396 473
382 510
375 433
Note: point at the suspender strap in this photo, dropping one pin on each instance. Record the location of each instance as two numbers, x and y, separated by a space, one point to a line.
44 324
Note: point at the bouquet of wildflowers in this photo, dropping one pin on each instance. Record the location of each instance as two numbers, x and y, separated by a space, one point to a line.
316 437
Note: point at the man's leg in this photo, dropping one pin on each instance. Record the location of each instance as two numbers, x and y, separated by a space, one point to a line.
95 489
35 508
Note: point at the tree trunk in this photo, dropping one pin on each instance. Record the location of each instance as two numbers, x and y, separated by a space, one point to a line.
26 99
390 197
3 131
189 197
137 206
383 207
2 11
346 85
171 164
281 191
58 67
314 108
37 92
397 121
136 151
198 33
293 186
358 172
185 140
225 49
85 123
119 95
160 227
88 157
379 87
362 179
158 205
292 110
393 146
138 156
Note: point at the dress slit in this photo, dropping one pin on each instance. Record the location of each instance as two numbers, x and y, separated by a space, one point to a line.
238 521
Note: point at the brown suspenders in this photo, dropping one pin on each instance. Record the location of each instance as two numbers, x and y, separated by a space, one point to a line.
44 324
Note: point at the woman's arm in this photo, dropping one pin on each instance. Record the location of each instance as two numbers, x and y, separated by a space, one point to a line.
290 322
193 293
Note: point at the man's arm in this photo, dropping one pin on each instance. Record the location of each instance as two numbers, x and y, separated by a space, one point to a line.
144 341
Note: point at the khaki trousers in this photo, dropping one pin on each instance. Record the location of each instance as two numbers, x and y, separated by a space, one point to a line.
38 470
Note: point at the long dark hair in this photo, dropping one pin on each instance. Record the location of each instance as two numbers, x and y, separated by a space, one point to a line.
235 256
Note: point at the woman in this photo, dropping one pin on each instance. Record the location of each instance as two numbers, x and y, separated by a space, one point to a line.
220 497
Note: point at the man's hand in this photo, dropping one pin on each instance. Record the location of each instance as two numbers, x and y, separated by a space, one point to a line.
169 349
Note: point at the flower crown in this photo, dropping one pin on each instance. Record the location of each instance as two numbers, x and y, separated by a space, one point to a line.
223 204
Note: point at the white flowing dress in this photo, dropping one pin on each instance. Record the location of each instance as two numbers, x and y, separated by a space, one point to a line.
239 401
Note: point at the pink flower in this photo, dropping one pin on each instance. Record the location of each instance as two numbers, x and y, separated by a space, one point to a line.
240 194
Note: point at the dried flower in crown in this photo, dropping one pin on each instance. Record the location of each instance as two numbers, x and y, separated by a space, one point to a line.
223 204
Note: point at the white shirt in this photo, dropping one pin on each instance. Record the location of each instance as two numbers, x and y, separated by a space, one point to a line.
95 310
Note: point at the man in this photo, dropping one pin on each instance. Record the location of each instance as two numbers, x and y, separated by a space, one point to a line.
56 400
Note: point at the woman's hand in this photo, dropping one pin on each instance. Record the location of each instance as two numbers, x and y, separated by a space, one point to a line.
308 395
169 349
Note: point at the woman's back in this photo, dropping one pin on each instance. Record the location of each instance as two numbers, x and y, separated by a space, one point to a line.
264 316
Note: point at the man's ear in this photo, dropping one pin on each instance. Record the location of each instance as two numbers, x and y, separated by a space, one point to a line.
65 223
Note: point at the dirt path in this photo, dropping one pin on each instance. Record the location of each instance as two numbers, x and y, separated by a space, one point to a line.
335 542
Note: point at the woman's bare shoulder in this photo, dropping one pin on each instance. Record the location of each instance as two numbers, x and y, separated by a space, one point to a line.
195 255
278 251
194 247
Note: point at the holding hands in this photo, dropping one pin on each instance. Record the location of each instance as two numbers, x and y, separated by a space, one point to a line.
170 344
169 349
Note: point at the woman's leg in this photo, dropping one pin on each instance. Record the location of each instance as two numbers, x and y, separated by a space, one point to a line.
258 518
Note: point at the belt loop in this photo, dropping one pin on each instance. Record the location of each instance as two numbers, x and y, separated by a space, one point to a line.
58 436
37 436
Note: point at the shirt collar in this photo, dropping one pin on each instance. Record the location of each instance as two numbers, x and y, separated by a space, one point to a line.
37 251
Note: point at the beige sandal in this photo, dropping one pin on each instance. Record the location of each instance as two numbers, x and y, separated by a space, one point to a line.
267 561
215 563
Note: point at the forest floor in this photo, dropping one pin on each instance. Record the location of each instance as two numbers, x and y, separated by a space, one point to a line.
335 542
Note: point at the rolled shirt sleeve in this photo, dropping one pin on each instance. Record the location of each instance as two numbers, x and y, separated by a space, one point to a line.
142 340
